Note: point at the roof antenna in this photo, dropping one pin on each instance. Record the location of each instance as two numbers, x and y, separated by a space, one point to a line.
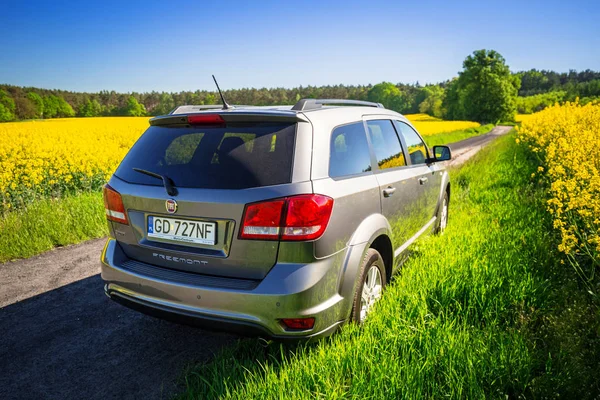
225 105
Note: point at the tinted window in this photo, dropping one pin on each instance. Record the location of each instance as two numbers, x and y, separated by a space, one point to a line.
417 150
386 144
349 151
181 150
234 157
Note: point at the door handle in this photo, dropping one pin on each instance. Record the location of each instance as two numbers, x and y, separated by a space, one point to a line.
387 192
423 180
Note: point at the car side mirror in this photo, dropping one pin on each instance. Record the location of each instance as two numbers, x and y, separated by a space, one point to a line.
441 153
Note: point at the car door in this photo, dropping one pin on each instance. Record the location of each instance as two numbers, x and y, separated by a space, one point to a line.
398 182
427 176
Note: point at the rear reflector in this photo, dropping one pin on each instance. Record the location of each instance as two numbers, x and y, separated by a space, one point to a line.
113 205
302 217
298 323
205 119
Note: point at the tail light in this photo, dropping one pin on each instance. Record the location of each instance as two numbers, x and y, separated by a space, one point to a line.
262 220
299 323
302 217
113 204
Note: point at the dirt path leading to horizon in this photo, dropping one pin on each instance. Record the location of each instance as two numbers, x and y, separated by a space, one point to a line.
465 149
61 337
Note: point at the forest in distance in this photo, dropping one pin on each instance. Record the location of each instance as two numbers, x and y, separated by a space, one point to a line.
539 88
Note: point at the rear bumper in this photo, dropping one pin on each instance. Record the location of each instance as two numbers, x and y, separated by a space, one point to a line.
207 322
288 291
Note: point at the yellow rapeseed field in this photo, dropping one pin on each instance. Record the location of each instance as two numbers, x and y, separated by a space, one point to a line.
428 125
567 140
523 117
53 157
41 159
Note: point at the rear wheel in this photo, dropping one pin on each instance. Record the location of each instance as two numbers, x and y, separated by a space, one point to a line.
370 286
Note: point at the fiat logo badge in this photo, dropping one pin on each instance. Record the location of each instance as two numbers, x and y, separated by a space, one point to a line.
171 206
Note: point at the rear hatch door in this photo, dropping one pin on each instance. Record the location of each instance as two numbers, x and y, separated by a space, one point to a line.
216 169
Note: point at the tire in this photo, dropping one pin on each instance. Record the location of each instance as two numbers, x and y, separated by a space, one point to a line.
370 285
443 215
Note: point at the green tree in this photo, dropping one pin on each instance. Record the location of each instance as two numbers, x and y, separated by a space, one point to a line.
485 90
451 104
38 103
433 96
51 105
165 104
24 108
133 108
390 96
64 108
91 108
96 108
537 102
210 99
7 107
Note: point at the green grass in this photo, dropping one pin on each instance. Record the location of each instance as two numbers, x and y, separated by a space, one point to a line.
46 224
508 123
456 136
483 311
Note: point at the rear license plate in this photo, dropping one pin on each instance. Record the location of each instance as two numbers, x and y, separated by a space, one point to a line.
182 230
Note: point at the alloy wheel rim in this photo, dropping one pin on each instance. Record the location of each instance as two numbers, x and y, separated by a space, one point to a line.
371 291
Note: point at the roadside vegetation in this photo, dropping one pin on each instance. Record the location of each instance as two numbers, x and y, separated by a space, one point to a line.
520 118
566 143
486 310
48 223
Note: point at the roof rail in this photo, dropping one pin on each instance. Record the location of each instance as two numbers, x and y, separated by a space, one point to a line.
313 104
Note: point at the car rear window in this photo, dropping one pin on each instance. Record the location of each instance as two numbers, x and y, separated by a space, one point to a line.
238 156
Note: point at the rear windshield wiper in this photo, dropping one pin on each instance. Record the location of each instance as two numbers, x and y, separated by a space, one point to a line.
168 182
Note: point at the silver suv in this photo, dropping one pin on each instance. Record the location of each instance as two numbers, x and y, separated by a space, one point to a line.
281 222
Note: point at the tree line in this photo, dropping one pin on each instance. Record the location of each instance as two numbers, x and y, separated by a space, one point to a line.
485 91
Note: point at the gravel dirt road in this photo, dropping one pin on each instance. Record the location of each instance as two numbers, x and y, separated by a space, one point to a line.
61 337
465 149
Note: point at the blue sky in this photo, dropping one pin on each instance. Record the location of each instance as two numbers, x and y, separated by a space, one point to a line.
172 46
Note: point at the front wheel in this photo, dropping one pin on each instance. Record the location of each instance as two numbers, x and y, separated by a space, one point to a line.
370 286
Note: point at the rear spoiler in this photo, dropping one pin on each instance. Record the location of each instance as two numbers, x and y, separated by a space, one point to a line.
233 116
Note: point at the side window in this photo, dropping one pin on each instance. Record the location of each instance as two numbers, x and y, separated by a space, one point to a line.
386 144
349 151
417 150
